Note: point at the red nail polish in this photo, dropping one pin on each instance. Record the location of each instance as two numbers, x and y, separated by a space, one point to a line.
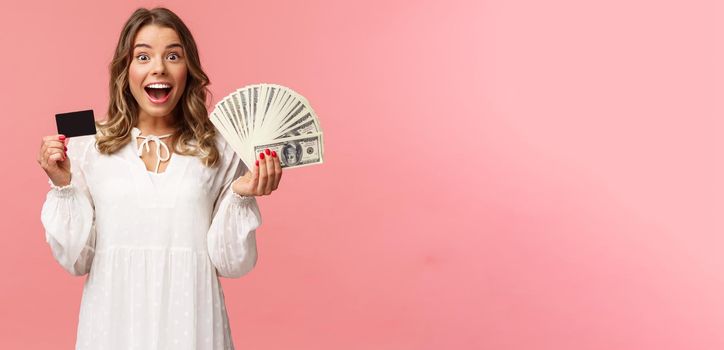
61 137
267 151
261 155
257 163
66 148
274 154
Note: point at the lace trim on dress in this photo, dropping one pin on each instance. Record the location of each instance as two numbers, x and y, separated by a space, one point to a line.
239 199
66 190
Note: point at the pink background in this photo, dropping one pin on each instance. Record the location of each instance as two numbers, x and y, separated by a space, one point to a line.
499 174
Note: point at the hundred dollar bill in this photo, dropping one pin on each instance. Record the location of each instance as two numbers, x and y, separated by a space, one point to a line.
303 126
297 151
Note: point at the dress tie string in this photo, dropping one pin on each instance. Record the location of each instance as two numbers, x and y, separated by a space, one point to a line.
159 144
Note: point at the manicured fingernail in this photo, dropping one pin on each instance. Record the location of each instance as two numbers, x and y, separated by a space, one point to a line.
274 154
66 148
257 163
261 155
62 137
267 151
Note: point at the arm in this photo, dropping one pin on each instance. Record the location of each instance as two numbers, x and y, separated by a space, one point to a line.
68 216
231 239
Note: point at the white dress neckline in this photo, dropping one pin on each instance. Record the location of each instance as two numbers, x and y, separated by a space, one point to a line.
160 145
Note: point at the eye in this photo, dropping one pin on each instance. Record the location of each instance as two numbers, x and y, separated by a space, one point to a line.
173 56
142 57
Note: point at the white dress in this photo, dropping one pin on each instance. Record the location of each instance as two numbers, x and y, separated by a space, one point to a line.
153 248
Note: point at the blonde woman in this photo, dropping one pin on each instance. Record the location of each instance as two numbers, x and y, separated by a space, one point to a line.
156 205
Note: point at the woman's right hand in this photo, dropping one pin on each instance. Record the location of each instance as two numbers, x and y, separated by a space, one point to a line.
53 159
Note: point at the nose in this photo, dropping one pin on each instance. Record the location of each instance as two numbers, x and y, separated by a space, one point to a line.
159 67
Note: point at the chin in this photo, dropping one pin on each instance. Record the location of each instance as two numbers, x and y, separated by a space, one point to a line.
158 111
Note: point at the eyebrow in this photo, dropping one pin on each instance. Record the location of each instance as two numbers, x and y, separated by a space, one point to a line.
167 47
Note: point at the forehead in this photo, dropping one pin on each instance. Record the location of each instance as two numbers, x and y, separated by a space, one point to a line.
156 36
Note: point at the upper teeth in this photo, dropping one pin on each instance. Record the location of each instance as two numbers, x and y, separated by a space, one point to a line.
159 86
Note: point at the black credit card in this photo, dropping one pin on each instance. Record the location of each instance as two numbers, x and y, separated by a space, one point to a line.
76 123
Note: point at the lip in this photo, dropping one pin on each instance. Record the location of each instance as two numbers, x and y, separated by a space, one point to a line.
158 82
161 100
158 101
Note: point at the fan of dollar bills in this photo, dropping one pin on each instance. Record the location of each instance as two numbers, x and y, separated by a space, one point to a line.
271 116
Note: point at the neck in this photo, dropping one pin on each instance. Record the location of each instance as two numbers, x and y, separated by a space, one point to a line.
155 125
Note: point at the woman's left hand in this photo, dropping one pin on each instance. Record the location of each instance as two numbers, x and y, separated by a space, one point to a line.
263 179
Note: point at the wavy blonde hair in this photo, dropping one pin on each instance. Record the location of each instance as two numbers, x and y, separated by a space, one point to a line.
196 133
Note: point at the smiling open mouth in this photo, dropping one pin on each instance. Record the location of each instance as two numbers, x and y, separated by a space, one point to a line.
158 92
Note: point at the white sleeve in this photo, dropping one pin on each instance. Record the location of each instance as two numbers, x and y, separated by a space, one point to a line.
231 238
68 216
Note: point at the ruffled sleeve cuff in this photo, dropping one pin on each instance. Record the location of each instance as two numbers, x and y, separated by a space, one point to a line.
62 191
68 218
231 238
239 200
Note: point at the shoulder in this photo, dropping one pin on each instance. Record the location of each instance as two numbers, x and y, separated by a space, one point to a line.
225 151
228 158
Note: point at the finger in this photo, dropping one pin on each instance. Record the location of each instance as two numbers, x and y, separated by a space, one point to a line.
255 176
42 154
62 153
49 152
59 137
55 155
277 170
270 170
43 147
53 141
42 159
56 140
262 175
55 144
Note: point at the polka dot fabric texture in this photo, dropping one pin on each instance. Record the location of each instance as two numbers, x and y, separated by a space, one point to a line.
152 248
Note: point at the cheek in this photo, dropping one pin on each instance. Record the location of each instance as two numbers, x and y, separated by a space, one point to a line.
180 77
135 77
